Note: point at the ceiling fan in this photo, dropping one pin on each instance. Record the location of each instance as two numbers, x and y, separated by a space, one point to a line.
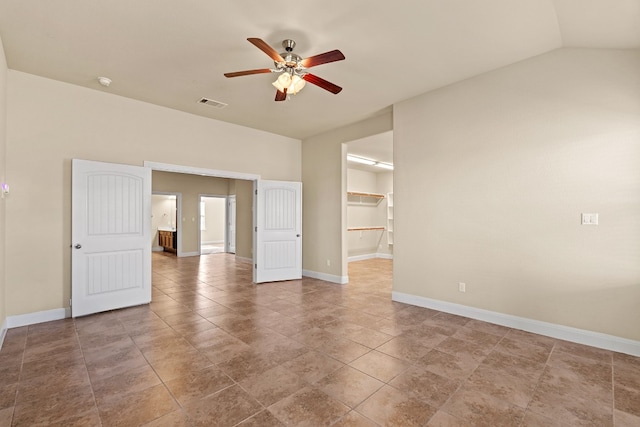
292 68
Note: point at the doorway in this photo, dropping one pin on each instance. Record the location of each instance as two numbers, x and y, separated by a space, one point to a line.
165 211
273 208
213 221
369 181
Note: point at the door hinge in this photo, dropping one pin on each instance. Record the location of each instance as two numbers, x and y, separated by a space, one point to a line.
69 302
256 228
255 266
256 192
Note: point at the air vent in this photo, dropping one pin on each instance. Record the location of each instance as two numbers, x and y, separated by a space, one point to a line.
211 102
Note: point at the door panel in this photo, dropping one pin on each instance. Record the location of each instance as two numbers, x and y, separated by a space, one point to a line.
111 254
279 231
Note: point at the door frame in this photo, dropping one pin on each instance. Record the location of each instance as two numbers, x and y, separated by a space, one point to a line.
178 216
227 238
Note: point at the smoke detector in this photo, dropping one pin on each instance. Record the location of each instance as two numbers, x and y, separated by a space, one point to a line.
104 81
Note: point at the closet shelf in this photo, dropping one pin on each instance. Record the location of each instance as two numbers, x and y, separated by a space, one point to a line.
367 199
364 228
373 195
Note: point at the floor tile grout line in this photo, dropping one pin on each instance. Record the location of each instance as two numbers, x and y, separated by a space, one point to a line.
15 395
84 360
613 391
155 372
234 382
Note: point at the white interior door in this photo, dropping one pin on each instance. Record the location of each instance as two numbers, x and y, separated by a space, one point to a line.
278 233
231 224
110 231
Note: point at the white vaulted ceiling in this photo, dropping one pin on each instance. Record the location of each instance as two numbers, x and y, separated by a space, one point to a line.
172 53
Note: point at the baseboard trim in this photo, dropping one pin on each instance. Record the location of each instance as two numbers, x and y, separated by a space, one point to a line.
3 332
567 333
157 249
361 257
187 254
369 256
341 280
37 317
243 259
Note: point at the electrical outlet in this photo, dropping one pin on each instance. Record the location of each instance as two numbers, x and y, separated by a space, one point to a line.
589 219
462 287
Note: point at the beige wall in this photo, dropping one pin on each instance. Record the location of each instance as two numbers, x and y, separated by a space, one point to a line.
50 122
244 218
492 174
3 176
324 188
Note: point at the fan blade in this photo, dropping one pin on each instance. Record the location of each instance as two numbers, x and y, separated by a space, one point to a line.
263 46
248 72
323 58
281 96
311 78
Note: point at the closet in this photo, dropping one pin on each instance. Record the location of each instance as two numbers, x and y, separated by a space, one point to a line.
368 214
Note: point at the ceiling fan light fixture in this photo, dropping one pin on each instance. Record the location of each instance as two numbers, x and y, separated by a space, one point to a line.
283 82
292 83
292 68
296 84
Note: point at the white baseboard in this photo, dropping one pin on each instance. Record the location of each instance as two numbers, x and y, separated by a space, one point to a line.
369 256
243 259
3 332
212 242
37 317
157 249
567 333
361 257
186 254
341 280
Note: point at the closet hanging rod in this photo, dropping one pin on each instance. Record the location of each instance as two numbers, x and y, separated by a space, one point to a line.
364 228
374 195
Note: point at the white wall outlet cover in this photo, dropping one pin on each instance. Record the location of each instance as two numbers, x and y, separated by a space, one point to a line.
589 219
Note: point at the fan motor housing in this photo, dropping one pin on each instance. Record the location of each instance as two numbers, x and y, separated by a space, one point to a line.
291 60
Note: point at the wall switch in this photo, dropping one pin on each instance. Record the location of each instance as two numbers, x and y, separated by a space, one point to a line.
328 263
589 219
462 287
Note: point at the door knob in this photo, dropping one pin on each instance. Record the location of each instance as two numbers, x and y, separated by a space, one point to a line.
78 246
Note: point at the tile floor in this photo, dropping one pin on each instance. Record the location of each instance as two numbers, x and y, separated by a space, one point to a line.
211 248
214 350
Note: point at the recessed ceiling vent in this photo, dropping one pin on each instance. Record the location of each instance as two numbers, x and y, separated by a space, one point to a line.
211 102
